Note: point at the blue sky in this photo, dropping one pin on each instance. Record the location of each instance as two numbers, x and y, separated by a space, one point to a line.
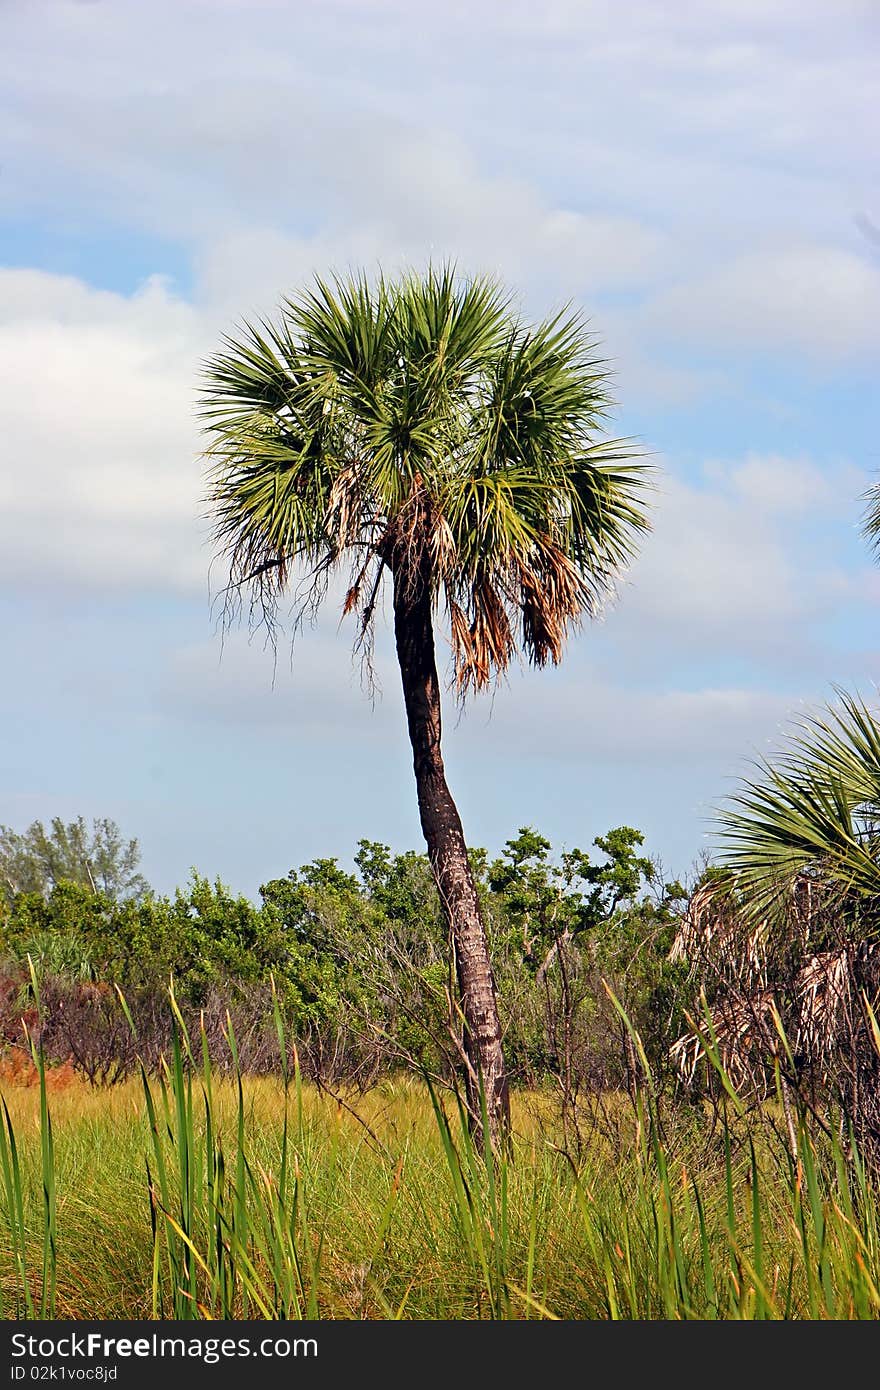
698 178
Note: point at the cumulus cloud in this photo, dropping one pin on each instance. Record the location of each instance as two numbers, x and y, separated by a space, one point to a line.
318 691
734 572
820 299
712 563
577 150
780 486
552 253
96 393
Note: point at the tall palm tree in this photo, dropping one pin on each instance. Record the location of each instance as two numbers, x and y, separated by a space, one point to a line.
417 431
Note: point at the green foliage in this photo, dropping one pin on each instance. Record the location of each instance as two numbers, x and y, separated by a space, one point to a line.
372 947
40 859
326 925
402 887
547 900
203 935
359 958
573 923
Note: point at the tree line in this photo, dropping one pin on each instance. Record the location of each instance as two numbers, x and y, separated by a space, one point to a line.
358 960
603 966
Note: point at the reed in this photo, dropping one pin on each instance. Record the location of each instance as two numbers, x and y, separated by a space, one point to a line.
192 1195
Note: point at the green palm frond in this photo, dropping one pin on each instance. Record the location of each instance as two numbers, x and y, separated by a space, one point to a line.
814 811
871 518
420 423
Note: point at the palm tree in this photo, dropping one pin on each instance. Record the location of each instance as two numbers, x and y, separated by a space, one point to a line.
787 931
813 813
417 431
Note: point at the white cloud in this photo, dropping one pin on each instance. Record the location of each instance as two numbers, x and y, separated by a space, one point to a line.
433 202
576 147
574 717
821 299
780 486
734 572
96 393
713 563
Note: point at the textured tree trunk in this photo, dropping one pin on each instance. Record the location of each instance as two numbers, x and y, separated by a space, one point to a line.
447 851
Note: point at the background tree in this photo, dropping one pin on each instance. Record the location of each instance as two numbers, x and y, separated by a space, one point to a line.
574 923
99 858
419 431
360 966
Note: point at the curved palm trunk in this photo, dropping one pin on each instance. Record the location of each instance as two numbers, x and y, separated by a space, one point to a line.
447 851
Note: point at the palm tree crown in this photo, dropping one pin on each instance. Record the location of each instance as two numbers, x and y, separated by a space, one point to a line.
813 811
419 427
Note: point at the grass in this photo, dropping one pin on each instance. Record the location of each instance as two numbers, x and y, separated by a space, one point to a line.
188 1195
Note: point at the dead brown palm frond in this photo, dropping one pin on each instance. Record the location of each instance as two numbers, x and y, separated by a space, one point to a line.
542 625
825 991
442 550
743 1034
552 600
489 644
564 584
786 997
461 642
705 918
715 938
344 519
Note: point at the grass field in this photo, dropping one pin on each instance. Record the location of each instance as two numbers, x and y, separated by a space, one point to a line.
187 1195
